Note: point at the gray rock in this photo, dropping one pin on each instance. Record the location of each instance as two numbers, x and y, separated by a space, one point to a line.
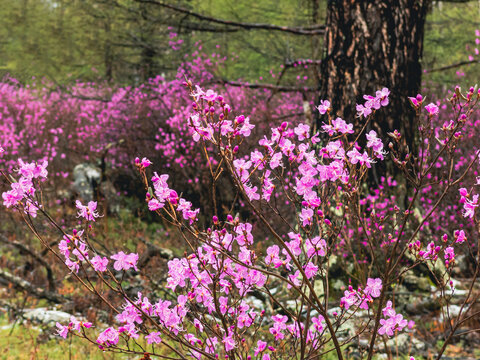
86 179
405 343
46 316
413 282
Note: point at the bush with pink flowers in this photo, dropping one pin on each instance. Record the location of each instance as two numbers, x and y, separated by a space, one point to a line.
240 293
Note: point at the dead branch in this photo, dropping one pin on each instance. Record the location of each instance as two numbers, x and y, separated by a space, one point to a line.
22 284
309 30
26 250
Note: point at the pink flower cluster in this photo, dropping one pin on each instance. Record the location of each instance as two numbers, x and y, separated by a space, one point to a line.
361 297
22 193
470 203
164 194
73 325
373 103
392 322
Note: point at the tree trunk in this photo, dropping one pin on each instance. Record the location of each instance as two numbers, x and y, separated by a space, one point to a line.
370 45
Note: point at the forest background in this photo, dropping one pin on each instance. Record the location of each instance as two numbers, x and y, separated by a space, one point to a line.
129 41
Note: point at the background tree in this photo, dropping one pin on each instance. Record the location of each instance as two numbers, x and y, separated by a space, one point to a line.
370 45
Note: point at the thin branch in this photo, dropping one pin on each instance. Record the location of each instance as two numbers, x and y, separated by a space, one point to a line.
26 250
452 66
310 30
280 88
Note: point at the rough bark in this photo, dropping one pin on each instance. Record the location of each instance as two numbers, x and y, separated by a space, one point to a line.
370 45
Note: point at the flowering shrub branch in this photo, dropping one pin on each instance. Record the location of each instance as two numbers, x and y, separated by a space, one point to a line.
240 297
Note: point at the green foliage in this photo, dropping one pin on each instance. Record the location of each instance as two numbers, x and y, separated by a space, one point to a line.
450 28
128 41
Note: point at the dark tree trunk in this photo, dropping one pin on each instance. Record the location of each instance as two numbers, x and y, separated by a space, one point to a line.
370 45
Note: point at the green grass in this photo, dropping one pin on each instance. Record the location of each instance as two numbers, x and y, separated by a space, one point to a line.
26 342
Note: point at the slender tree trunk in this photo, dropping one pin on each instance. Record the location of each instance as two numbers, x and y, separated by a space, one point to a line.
107 50
370 45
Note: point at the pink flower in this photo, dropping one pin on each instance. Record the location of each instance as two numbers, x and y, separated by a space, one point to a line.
145 162
251 192
363 111
459 236
99 263
108 337
382 95
72 265
373 288
154 205
302 131
306 217
324 106
311 270
125 261
88 212
469 207
416 101
153 338
229 342
33 170
78 325
276 160
449 254
62 330
261 345
432 109
387 327
295 279
272 255
246 128
342 127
